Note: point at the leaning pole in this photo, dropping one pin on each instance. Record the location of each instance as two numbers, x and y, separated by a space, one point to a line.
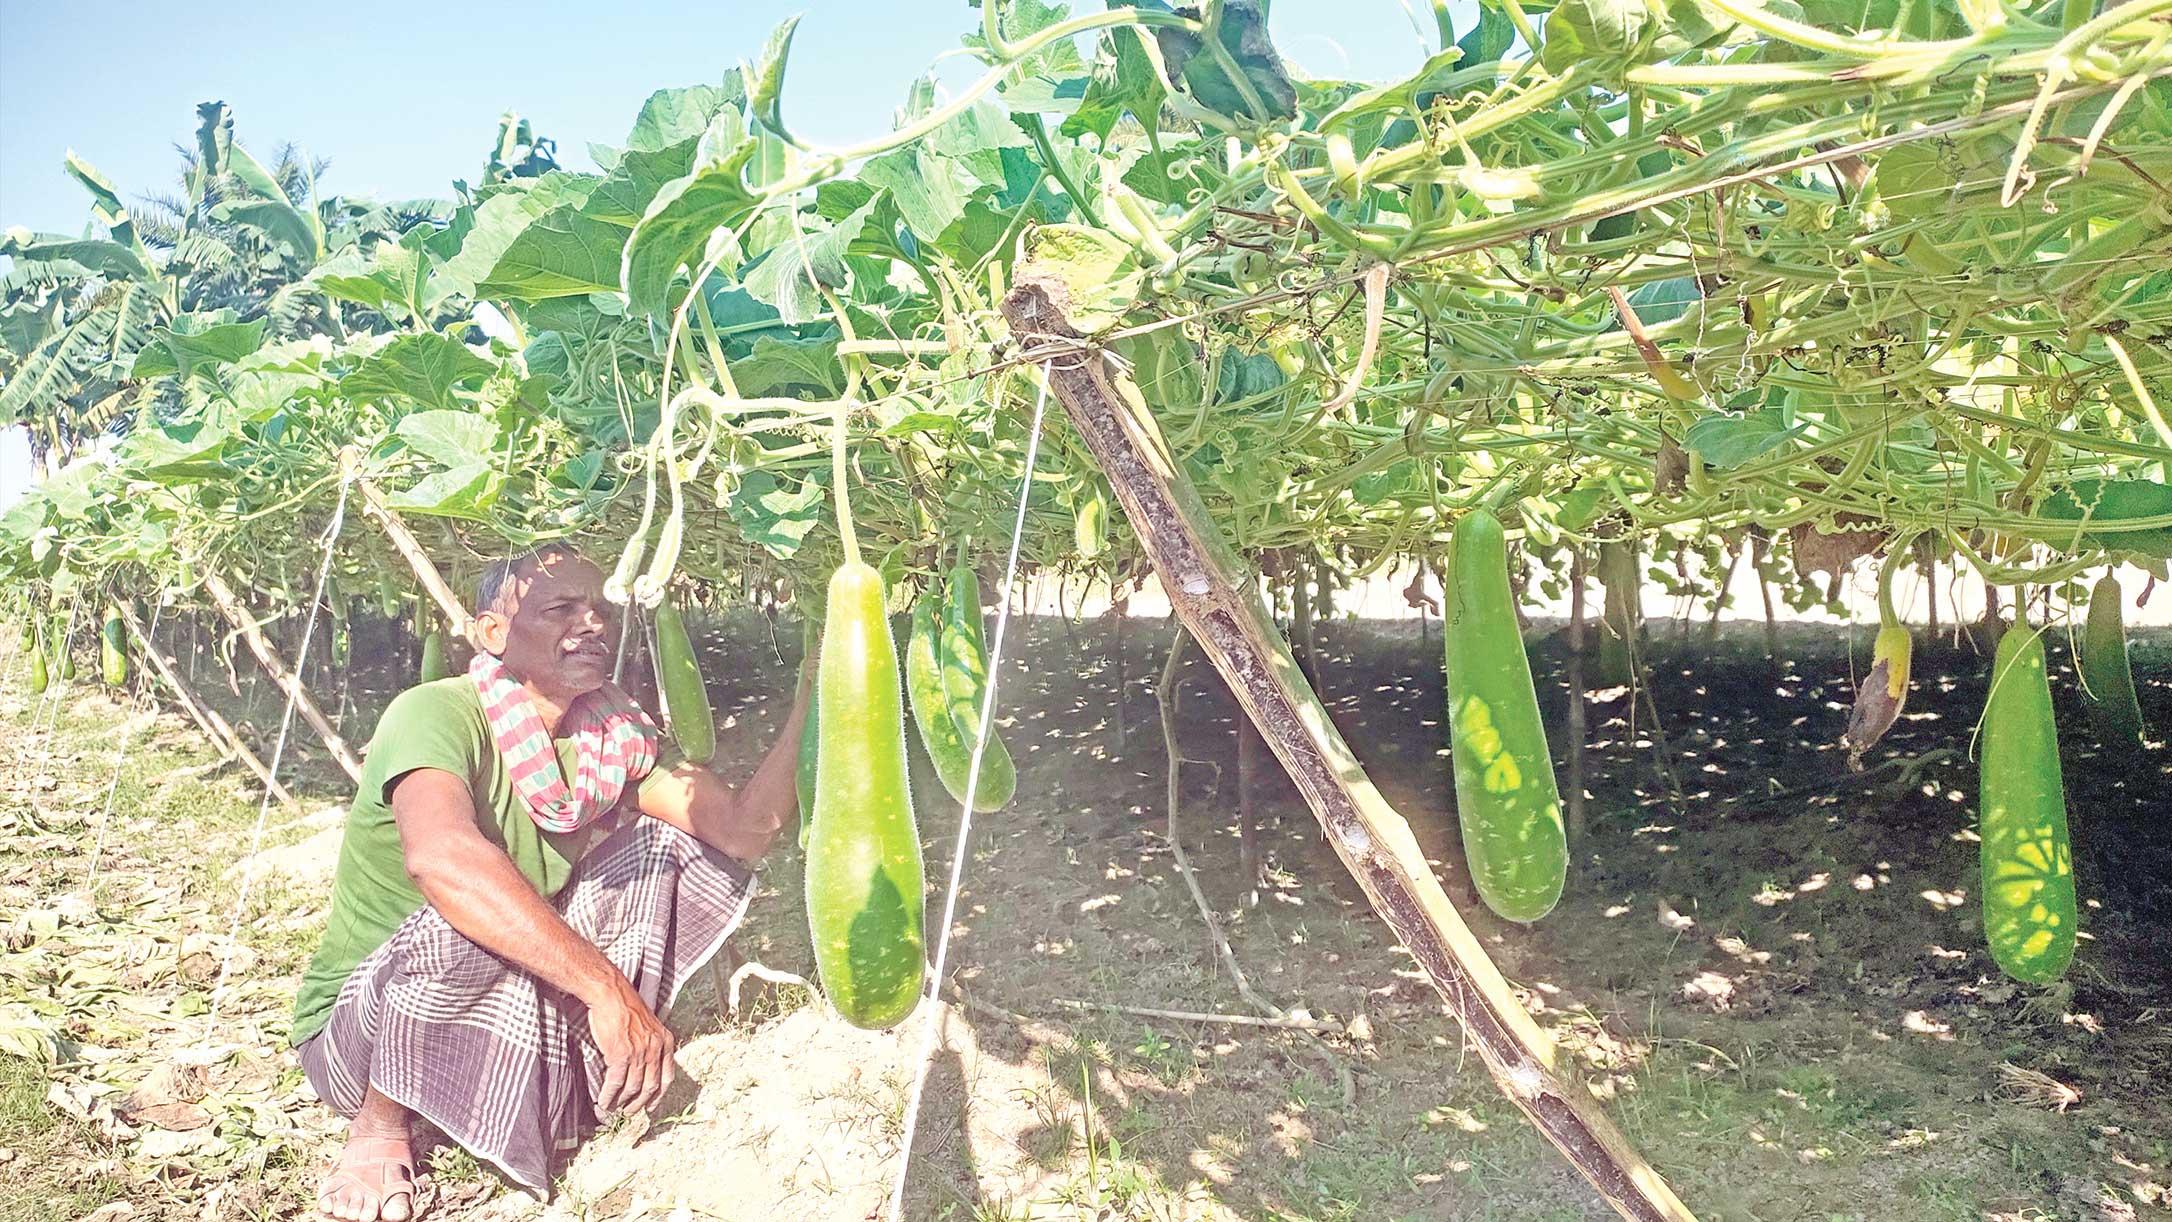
1217 599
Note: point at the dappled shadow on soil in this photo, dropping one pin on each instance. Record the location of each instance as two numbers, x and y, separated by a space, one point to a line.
1774 978
1776 981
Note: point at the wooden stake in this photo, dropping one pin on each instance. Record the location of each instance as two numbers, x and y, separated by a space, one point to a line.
222 735
1211 591
288 681
403 539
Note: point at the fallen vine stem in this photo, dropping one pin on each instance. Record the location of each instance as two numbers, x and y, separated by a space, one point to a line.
1284 1022
1166 697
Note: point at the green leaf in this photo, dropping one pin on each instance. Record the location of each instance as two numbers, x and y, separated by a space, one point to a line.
424 368
1166 368
1579 30
930 191
466 491
775 517
452 437
781 365
1096 274
625 194
765 93
1581 506
582 470
2111 500
1665 300
1726 441
106 205
174 351
673 115
675 230
394 280
1399 478
1395 95
299 230
178 453
1243 34
922 422
109 259
499 220
1126 80
1025 18
1245 374
782 278
562 253
1490 39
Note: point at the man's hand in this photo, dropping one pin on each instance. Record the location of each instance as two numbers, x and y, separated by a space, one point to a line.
636 1052
750 832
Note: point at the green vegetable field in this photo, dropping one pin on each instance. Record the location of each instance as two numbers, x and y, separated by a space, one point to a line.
1572 635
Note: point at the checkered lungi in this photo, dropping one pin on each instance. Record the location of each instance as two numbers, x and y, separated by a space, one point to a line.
496 1058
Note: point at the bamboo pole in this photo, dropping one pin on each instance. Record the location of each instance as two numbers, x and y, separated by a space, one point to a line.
221 733
1214 596
403 539
288 681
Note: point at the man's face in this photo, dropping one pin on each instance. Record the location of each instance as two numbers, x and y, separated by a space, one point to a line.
555 630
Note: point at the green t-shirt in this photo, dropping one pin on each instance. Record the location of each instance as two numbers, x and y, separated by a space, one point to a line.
433 725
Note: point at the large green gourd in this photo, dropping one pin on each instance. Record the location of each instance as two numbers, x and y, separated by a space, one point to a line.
113 649
433 657
863 853
2028 866
948 743
1505 795
963 656
40 678
678 680
63 657
2107 675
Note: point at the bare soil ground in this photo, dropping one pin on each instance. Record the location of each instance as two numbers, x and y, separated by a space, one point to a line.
1775 980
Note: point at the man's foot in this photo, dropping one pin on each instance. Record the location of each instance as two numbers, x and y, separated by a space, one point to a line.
373 1182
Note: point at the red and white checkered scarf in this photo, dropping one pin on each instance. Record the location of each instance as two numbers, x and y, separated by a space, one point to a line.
614 746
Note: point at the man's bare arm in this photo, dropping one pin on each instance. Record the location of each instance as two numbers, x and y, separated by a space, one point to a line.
742 823
480 893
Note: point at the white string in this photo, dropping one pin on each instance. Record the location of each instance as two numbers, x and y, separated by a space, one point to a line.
271 767
965 814
128 734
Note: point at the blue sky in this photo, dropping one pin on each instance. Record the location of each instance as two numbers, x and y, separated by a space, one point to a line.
403 101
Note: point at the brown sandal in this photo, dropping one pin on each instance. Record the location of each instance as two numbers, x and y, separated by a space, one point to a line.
385 1189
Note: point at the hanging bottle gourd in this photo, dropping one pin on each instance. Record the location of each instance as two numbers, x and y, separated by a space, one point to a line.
1506 799
678 680
2107 675
2028 867
942 675
433 657
113 649
40 677
965 677
63 658
864 873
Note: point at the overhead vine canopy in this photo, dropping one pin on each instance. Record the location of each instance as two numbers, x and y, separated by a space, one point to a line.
1875 268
